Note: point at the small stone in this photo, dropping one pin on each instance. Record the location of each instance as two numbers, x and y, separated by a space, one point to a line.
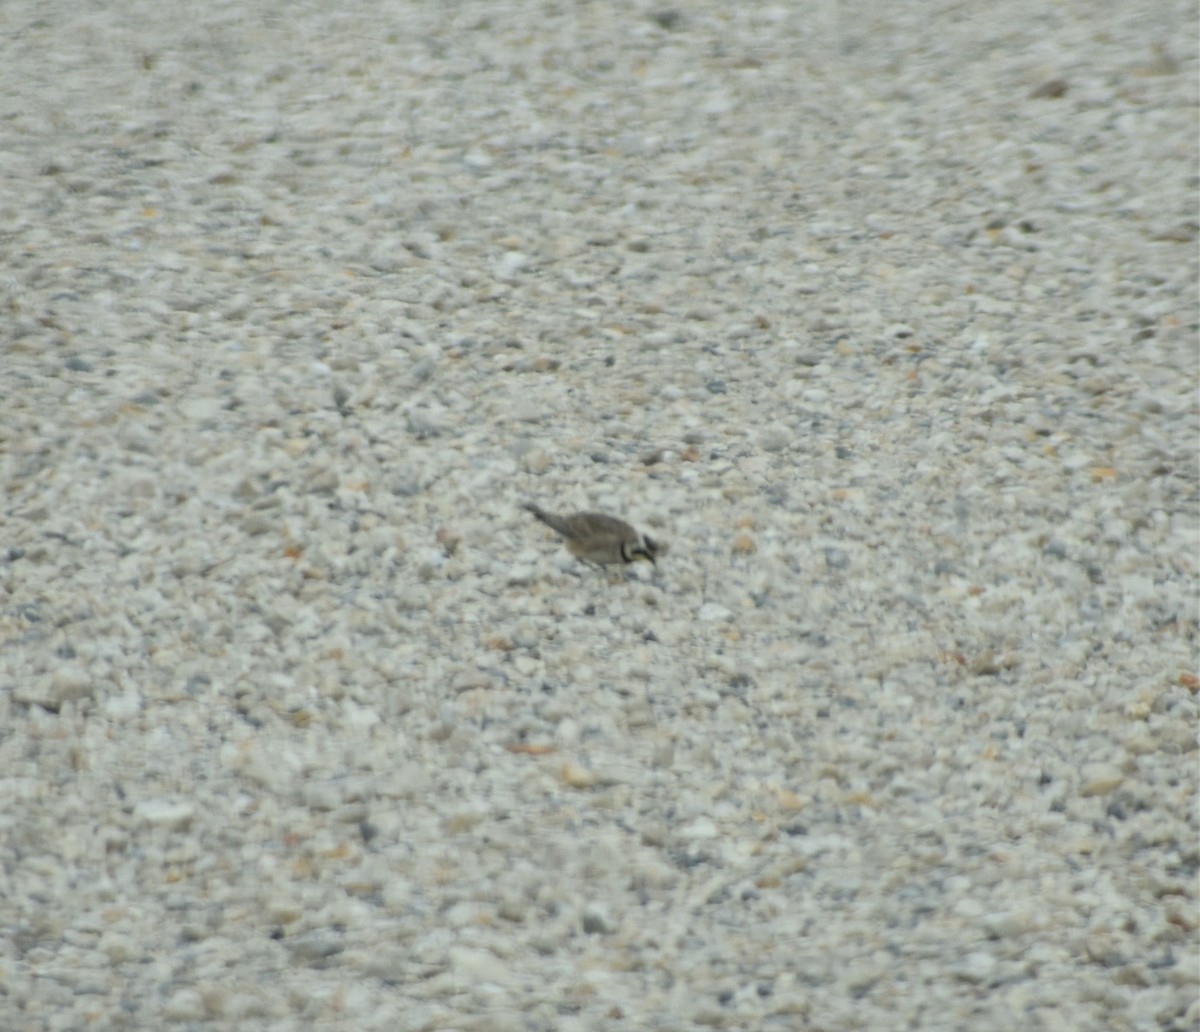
1103 950
976 967
836 559
510 265
315 945
449 538
321 796
471 681
1006 924
577 777
701 828
598 919
526 666
122 707
521 574
774 440
984 664
1052 89
256 524
1099 779
245 1006
175 814
203 409
536 460
668 18
185 1005
1141 743
69 683
513 909
119 948
423 423
744 544
478 965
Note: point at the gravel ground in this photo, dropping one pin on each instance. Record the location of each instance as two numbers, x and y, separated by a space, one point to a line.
884 318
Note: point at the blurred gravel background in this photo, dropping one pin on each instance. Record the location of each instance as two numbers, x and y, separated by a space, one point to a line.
883 316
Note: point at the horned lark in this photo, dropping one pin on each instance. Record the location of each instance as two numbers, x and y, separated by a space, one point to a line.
598 539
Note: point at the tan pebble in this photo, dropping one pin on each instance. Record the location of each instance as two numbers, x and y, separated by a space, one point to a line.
185 1005
744 544
791 802
255 525
526 666
458 823
449 539
861 798
1100 779
1141 744
536 460
577 777
531 749
1052 89
1182 917
984 664
469 681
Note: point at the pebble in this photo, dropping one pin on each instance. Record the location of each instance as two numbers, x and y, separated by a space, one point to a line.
185 1005
314 945
1099 779
476 966
774 440
977 967
174 814
598 920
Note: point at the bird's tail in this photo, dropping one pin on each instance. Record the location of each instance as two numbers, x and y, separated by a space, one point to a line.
548 518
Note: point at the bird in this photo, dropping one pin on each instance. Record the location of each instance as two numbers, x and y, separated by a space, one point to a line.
597 539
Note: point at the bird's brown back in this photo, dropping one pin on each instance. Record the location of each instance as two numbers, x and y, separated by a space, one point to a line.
585 525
